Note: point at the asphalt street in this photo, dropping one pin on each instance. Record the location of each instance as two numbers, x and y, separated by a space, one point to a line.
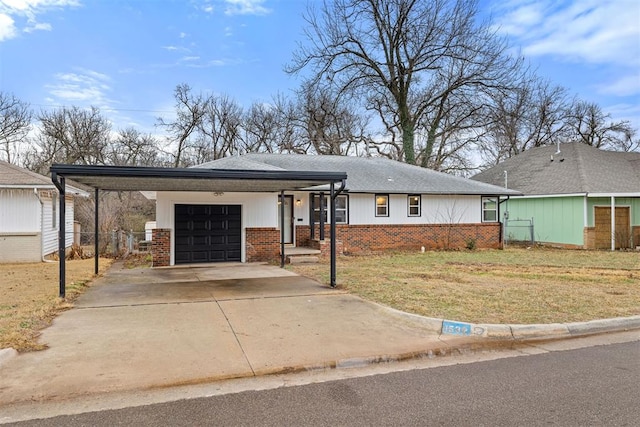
595 386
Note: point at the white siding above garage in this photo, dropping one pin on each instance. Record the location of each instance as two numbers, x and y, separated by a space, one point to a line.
258 209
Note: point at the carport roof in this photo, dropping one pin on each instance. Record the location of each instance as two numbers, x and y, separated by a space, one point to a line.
120 178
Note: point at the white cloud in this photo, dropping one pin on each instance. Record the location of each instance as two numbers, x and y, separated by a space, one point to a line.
625 111
82 86
592 31
21 15
246 7
7 27
38 26
626 85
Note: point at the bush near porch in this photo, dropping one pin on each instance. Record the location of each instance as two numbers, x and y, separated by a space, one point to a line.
517 286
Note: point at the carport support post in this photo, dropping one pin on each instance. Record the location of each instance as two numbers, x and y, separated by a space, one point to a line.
323 215
61 237
282 229
95 237
332 231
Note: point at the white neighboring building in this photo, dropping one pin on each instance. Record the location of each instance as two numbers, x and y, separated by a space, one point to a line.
29 215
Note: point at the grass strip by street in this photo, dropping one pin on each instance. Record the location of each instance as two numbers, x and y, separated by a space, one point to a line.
29 298
516 286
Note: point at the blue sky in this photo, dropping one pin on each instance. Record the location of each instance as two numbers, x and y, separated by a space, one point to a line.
126 57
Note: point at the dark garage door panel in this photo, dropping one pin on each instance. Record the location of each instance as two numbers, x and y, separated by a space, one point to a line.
208 233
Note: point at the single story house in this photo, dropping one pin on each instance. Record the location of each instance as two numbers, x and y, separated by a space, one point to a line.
384 205
577 196
29 221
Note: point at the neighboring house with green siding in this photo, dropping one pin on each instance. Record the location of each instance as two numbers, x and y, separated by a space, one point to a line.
570 192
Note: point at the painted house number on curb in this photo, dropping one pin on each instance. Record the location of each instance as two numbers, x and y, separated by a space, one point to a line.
456 328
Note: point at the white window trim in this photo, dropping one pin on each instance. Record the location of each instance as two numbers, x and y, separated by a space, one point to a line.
316 208
497 202
409 206
386 205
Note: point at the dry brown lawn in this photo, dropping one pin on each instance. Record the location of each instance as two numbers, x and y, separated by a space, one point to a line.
498 286
29 298
509 286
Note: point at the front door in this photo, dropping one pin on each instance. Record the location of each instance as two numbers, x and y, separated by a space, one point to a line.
288 219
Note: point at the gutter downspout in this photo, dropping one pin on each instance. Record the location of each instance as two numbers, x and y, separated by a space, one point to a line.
42 258
334 195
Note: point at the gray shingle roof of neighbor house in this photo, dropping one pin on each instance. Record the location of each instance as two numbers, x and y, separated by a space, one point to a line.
365 174
576 168
16 177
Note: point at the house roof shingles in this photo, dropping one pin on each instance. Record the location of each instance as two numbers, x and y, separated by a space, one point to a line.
365 174
577 168
14 176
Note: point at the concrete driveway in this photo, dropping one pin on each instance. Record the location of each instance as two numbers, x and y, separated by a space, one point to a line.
144 328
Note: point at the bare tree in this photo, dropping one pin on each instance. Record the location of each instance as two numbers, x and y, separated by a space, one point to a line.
69 135
218 133
404 58
331 125
15 123
532 114
190 110
590 125
132 148
206 127
289 135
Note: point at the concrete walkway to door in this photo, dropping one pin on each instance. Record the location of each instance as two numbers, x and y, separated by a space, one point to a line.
137 329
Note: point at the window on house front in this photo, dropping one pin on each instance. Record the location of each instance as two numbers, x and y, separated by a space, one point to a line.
413 205
342 209
489 209
342 216
54 211
382 205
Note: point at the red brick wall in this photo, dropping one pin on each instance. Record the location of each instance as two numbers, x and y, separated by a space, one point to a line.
363 238
263 244
303 235
161 247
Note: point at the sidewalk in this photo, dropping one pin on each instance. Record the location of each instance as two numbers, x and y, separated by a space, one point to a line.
146 329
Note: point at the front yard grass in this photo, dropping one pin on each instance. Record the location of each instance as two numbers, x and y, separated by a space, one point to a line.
29 298
521 286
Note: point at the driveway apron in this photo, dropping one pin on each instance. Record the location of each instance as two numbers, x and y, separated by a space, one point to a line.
137 329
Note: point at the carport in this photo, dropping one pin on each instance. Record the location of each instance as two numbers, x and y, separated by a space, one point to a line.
119 178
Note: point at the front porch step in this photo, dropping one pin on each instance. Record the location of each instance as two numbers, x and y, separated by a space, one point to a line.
300 251
303 259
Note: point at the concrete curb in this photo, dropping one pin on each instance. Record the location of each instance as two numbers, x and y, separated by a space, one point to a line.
6 354
523 332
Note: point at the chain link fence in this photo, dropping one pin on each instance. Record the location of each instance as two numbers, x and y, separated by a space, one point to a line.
518 231
112 244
